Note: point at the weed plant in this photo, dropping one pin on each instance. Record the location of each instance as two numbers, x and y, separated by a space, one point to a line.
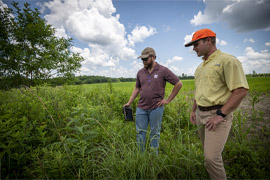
79 132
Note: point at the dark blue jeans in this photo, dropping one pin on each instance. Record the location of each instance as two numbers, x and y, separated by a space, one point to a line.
152 117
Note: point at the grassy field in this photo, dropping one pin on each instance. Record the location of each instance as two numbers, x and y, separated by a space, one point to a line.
79 132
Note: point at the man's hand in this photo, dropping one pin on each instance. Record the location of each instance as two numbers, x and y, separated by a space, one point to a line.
162 102
126 105
134 94
193 118
174 92
212 123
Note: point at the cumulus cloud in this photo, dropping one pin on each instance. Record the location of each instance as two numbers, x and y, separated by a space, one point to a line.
176 70
249 40
115 71
267 44
94 64
95 24
188 38
174 59
2 5
95 58
257 61
139 33
61 32
221 42
170 64
201 18
241 15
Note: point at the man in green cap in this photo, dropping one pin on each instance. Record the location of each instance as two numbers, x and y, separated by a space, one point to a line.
150 84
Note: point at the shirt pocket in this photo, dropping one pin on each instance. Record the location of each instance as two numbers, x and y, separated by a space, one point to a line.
214 75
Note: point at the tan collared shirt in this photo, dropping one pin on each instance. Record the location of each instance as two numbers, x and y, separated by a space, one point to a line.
216 77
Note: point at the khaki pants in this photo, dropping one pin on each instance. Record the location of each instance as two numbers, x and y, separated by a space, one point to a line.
213 143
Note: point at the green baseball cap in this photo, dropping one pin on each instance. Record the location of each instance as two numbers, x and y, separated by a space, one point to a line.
147 52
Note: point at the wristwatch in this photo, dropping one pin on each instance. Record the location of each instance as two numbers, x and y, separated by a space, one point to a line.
219 112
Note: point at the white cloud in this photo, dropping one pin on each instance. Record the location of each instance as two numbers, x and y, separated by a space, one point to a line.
139 33
177 58
251 54
170 64
2 5
61 32
174 59
267 44
241 15
94 64
188 38
257 61
95 58
191 71
221 42
179 71
200 19
228 9
175 70
95 24
249 40
115 71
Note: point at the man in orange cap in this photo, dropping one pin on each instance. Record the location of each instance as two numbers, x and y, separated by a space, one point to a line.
150 84
220 85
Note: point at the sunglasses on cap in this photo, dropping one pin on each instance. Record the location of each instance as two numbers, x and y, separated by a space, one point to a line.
145 59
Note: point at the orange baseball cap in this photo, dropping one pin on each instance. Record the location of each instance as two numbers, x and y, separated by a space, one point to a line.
202 33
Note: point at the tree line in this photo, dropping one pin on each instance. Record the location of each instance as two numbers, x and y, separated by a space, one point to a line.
58 81
78 80
254 74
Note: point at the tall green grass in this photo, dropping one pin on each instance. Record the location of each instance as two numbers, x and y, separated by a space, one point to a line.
78 132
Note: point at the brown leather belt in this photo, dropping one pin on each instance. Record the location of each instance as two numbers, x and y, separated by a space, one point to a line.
210 108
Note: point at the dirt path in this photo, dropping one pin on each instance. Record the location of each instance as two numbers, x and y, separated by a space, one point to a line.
260 118
263 105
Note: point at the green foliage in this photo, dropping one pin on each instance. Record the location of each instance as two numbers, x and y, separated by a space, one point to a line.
57 81
86 80
259 84
30 51
78 132
247 161
254 74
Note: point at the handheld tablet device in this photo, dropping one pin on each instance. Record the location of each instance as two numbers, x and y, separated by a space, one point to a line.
128 113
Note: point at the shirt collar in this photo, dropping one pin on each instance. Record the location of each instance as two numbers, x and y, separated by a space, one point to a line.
211 57
155 68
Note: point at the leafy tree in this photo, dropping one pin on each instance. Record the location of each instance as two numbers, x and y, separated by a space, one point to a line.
30 52
254 73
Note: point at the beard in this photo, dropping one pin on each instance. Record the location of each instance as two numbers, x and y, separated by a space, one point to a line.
149 65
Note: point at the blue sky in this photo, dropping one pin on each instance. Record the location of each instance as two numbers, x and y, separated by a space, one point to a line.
110 34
